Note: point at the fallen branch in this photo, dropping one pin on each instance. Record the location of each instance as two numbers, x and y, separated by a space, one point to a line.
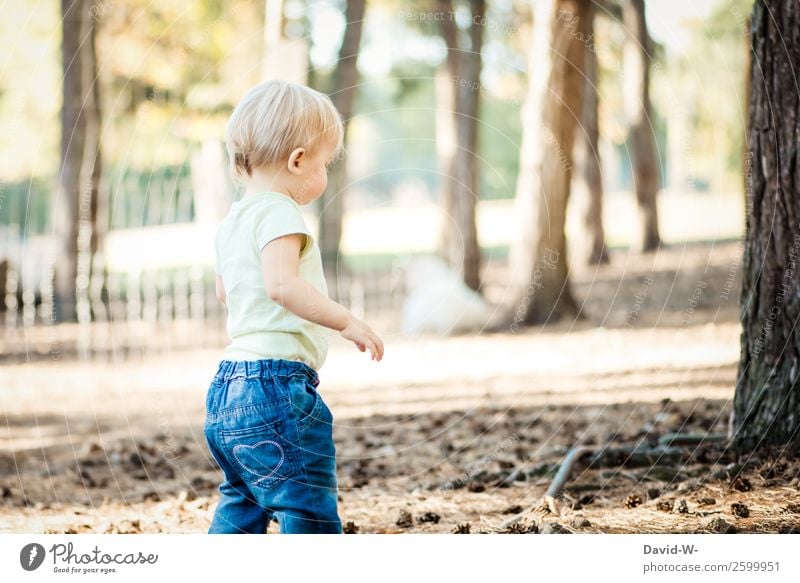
669 445
562 476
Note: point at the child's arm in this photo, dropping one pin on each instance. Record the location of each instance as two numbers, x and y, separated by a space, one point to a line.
280 265
220 290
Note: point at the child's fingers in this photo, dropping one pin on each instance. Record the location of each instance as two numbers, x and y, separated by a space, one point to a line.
378 345
373 350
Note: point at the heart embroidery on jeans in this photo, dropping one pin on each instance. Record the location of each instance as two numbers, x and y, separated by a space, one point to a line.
253 454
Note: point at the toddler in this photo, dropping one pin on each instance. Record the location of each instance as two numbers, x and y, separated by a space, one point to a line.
266 424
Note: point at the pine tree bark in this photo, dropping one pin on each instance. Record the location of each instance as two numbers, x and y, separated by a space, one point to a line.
767 400
642 144
345 81
75 205
540 289
588 179
459 242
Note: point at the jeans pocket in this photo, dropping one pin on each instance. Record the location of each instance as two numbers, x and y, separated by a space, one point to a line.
306 401
262 454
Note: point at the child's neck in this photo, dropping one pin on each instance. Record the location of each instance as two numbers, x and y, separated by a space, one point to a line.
265 180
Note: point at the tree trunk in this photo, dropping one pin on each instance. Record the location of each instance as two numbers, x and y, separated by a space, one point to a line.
767 400
74 214
90 261
641 142
459 243
345 82
540 287
588 179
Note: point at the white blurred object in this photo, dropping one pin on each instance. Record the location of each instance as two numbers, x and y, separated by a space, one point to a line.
438 301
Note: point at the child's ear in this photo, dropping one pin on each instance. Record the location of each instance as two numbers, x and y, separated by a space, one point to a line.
294 160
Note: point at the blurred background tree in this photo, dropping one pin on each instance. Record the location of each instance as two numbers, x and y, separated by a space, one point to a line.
539 263
457 121
588 175
343 93
644 157
76 202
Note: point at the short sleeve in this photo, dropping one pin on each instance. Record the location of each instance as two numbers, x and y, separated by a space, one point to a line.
279 218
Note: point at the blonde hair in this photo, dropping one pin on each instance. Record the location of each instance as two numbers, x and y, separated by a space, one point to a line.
273 119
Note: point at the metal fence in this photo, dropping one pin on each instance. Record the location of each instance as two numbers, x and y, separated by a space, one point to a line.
155 311
169 198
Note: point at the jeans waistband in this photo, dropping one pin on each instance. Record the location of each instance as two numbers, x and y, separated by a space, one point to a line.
250 369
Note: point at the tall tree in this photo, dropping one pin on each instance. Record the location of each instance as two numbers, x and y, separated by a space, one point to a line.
75 205
459 243
767 400
642 144
345 85
538 261
588 177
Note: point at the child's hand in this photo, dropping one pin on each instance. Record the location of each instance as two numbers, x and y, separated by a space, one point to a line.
362 335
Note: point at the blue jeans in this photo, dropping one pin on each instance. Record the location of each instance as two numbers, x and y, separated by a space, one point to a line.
272 435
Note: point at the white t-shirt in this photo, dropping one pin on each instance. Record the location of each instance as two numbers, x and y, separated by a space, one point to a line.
258 326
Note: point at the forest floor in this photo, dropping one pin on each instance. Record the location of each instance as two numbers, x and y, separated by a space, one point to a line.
427 437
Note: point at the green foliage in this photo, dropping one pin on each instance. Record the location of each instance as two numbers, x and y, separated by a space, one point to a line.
500 135
708 84
176 70
30 89
25 205
157 196
397 119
